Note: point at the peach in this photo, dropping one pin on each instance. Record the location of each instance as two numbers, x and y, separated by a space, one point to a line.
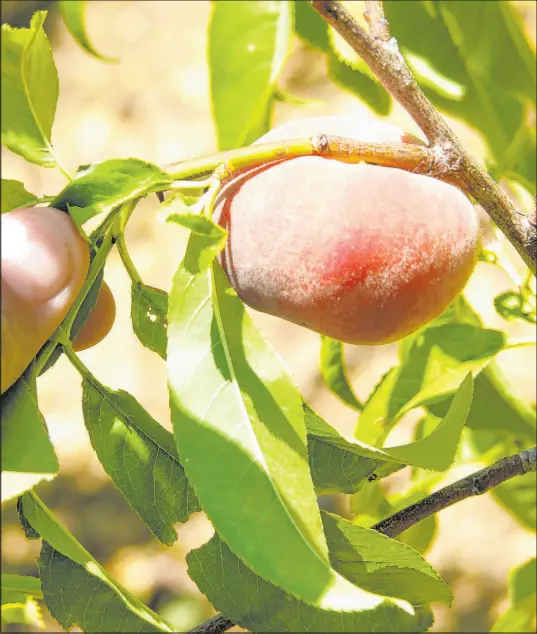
360 253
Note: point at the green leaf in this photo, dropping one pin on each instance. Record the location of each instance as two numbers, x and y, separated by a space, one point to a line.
248 46
420 536
19 585
259 606
516 305
27 453
310 27
73 14
335 469
434 451
140 457
14 195
520 616
382 565
481 49
149 315
77 590
434 366
496 405
102 187
335 466
334 372
29 91
205 227
232 399
518 496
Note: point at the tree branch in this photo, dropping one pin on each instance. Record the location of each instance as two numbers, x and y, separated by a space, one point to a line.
215 625
385 60
378 25
474 484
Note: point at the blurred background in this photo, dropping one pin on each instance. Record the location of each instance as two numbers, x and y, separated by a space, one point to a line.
154 104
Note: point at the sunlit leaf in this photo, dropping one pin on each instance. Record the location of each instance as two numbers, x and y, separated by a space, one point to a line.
73 14
77 590
104 186
434 366
18 600
14 195
248 45
334 372
27 453
434 451
496 405
19 585
29 91
25 612
363 556
232 399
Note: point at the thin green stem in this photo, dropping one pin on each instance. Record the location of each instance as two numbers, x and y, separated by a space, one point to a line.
62 169
80 367
126 259
520 343
415 158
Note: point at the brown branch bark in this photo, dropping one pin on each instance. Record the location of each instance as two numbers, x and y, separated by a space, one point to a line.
391 69
474 484
378 25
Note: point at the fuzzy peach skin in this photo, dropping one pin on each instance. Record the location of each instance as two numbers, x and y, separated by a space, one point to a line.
360 253
44 265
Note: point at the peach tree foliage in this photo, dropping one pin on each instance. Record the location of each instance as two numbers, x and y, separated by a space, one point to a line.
247 449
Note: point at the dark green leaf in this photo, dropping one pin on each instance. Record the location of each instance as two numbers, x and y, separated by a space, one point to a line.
14 195
248 45
27 454
335 467
259 606
29 91
104 186
232 399
149 314
310 27
334 373
140 457
77 590
435 365
73 14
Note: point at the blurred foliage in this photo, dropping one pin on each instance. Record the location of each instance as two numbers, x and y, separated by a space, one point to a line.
483 76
